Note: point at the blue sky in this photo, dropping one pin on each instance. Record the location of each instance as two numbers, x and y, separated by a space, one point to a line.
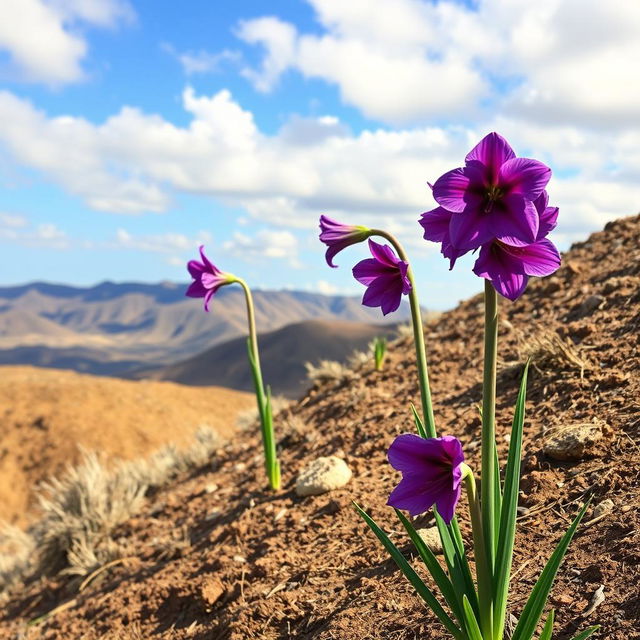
131 131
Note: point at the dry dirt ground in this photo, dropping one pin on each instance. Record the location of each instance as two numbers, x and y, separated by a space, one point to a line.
47 415
263 565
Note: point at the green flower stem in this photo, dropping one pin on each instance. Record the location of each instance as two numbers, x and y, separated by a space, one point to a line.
489 468
418 335
263 399
485 586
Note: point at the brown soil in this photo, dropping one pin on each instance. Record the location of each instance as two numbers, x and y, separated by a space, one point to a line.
265 565
47 416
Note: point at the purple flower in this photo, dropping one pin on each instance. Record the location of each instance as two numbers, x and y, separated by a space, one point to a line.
385 277
338 236
492 196
207 279
431 474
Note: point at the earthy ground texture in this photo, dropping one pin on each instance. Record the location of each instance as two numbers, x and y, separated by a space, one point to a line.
259 564
48 415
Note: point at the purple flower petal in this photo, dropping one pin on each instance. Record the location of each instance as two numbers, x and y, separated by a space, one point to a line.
338 236
458 189
492 151
540 258
409 452
518 222
366 271
207 279
207 299
469 230
196 290
524 176
436 224
195 268
503 269
446 504
412 496
548 222
383 254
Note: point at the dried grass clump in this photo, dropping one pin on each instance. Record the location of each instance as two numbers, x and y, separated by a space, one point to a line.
81 510
360 359
16 551
327 371
405 330
547 349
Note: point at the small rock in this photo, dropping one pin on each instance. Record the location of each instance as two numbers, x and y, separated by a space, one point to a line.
591 304
431 538
322 475
603 507
572 442
239 559
211 591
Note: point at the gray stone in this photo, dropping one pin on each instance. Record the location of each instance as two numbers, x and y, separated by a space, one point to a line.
603 507
322 475
573 442
431 538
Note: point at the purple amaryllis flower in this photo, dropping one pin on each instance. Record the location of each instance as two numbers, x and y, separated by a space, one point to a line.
492 196
338 236
207 279
432 473
385 277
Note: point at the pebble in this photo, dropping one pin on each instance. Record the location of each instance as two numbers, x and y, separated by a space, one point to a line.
572 442
591 304
322 475
431 538
211 591
603 507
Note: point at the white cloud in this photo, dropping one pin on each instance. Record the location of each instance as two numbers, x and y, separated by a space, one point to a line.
41 40
159 243
265 243
12 220
17 229
402 61
194 62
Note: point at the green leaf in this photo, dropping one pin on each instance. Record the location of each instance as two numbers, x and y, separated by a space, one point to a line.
423 591
548 627
586 633
535 604
436 571
419 424
509 511
473 630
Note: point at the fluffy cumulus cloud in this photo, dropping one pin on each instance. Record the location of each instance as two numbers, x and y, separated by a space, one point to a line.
17 229
41 39
281 245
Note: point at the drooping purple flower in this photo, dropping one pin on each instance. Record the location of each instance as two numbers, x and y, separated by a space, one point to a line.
338 236
431 474
207 279
385 277
436 228
492 196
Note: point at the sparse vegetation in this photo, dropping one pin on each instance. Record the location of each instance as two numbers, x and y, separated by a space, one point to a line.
327 371
547 349
81 510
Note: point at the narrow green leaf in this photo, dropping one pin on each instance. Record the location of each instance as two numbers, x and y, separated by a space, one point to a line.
583 635
509 512
473 630
436 571
425 593
418 420
535 604
497 496
548 627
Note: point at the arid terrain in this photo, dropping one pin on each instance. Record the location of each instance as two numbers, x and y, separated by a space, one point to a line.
47 416
255 564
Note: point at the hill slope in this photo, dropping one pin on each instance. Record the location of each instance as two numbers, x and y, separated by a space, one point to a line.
47 415
283 353
275 566
111 329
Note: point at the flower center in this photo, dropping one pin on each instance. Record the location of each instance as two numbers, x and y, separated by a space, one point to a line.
494 193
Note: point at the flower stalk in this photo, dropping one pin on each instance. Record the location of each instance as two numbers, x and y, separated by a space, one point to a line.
272 465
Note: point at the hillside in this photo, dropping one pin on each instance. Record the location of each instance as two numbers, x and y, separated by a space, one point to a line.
47 416
265 566
283 354
112 329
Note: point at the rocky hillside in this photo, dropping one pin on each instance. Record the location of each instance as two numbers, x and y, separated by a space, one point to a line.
111 329
258 565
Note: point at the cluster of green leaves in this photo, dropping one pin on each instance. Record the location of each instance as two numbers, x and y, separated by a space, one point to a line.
469 610
379 352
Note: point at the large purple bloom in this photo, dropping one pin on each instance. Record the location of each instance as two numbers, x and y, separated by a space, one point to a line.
431 474
385 277
492 196
207 279
338 236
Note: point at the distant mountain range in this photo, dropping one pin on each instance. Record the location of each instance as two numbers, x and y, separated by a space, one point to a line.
283 354
116 329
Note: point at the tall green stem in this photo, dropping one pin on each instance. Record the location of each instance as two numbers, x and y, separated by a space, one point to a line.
485 586
418 335
489 469
263 398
